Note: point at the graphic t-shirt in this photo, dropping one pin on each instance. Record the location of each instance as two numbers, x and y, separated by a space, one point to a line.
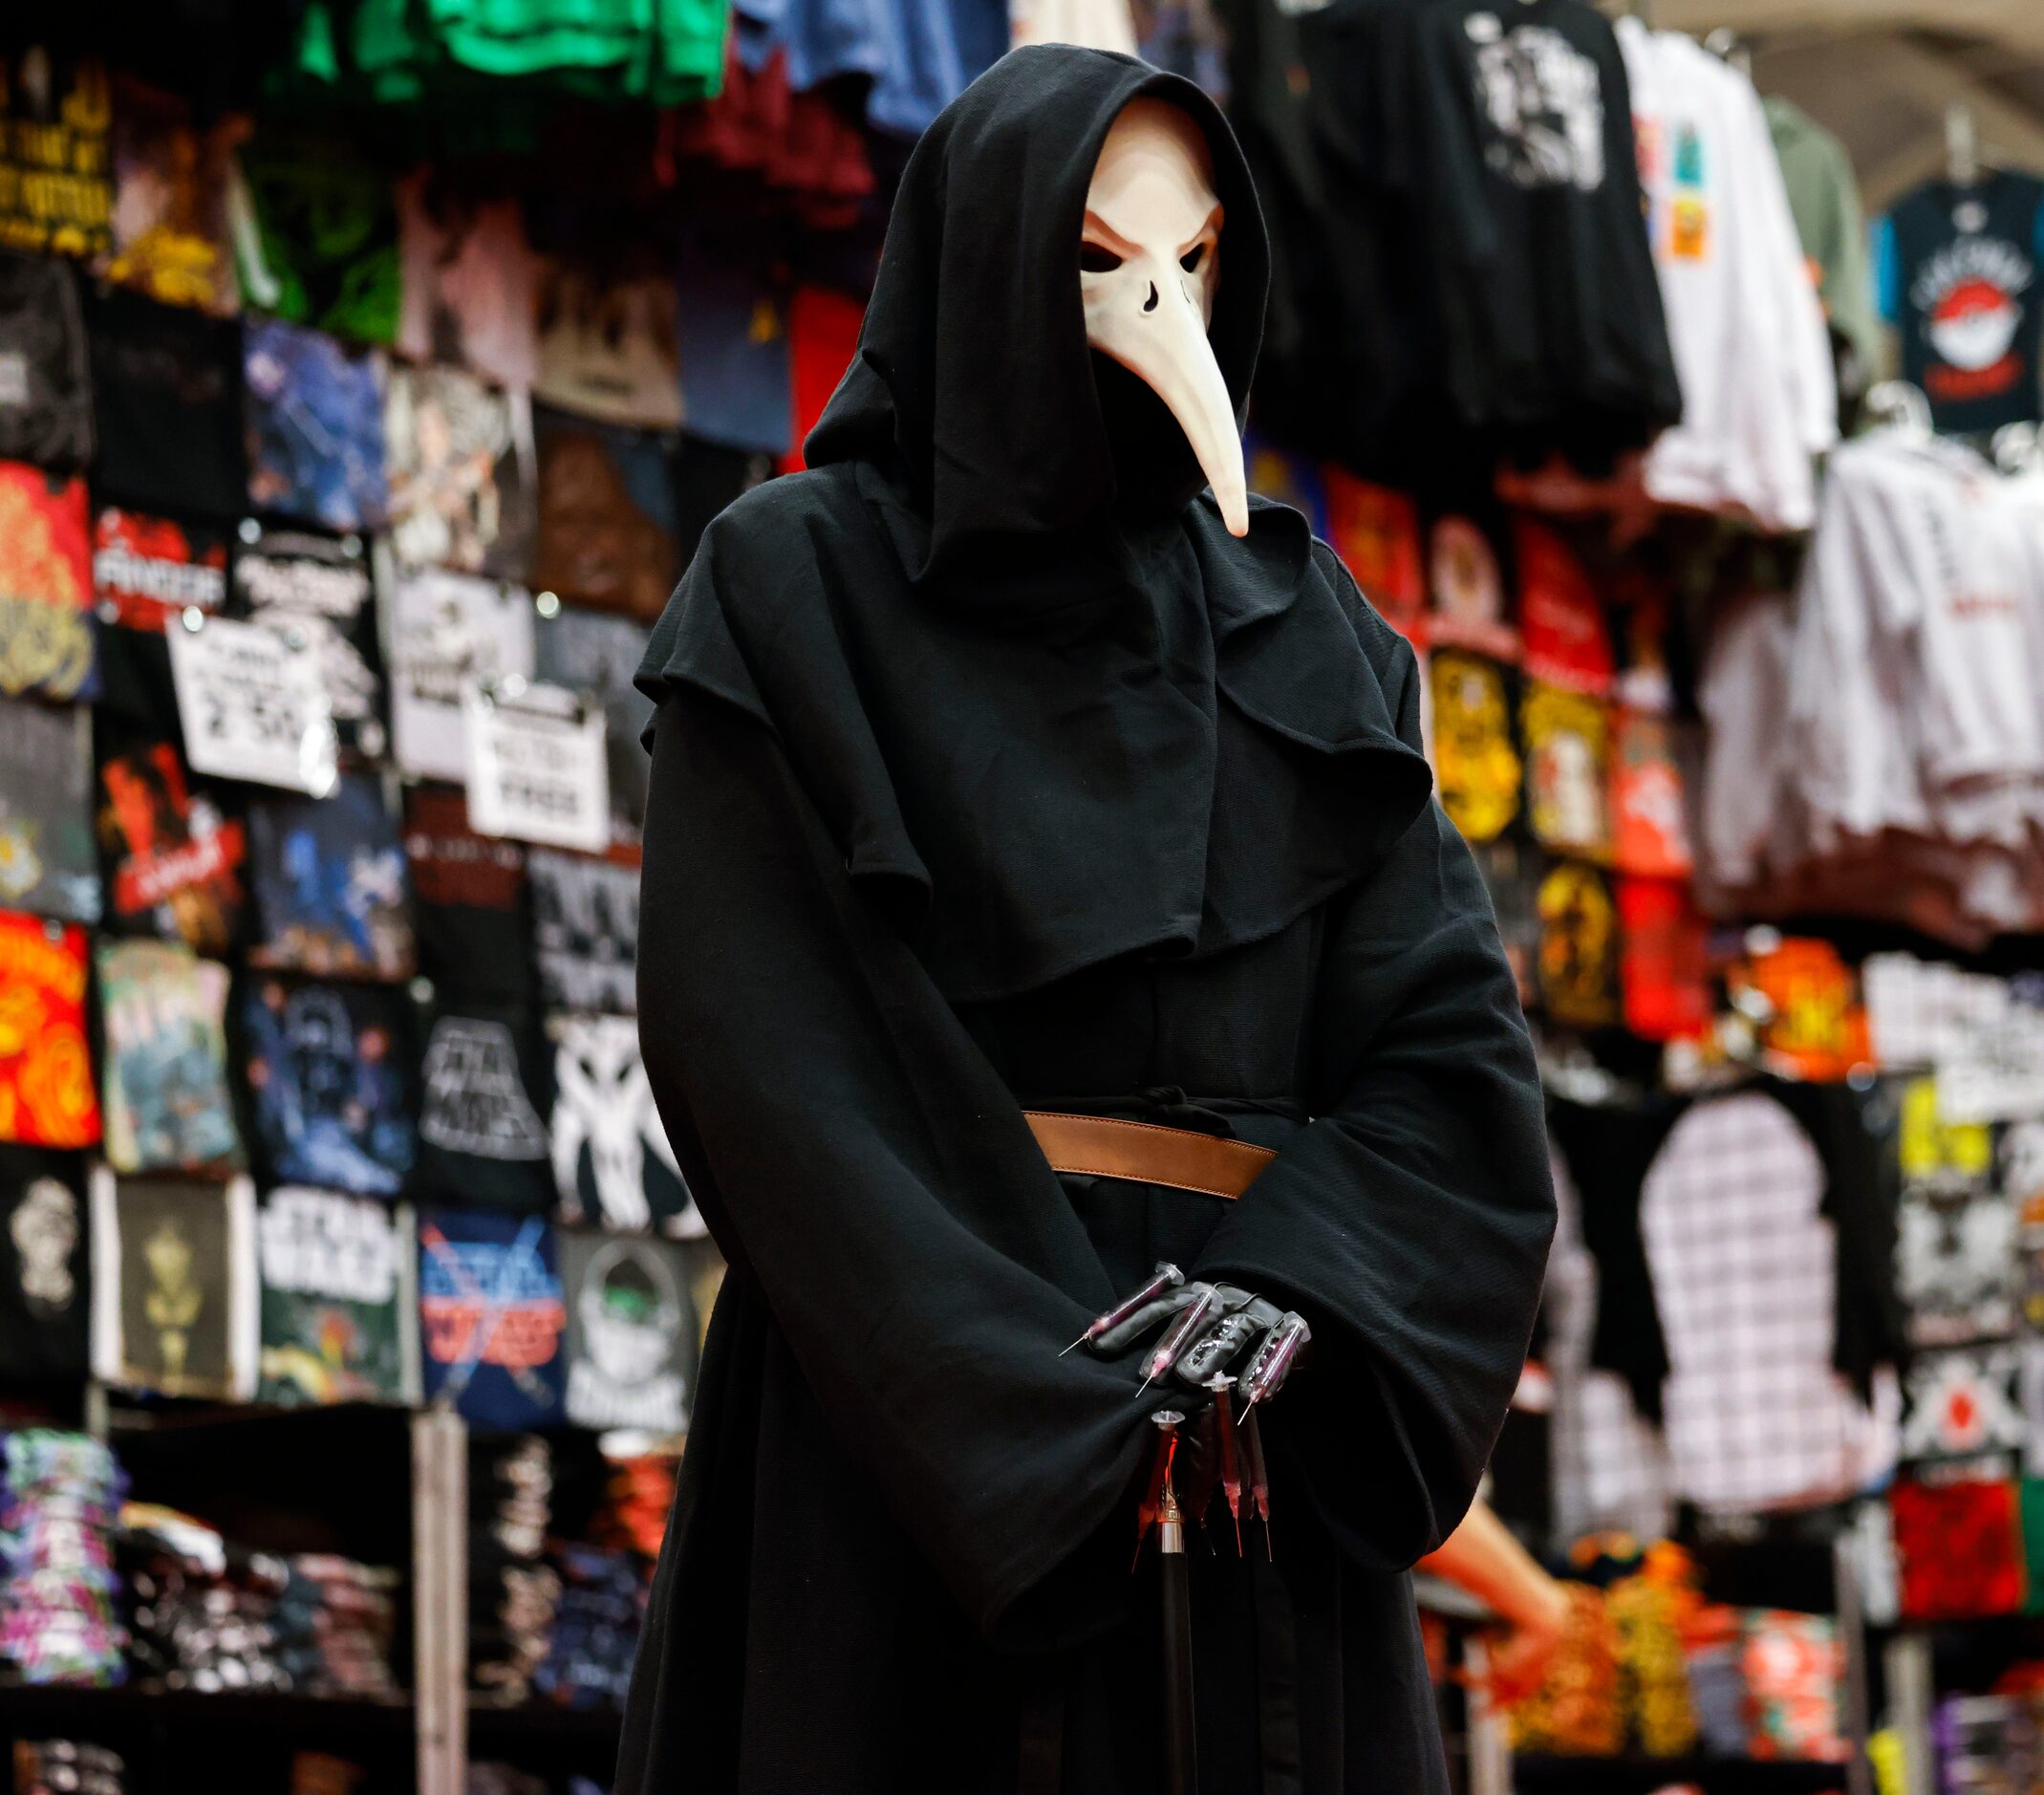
469 901
491 1316
321 589
47 640
339 1321
47 865
45 1269
1957 269
329 887
46 405
46 1085
317 240
167 1098
328 1071
167 401
150 568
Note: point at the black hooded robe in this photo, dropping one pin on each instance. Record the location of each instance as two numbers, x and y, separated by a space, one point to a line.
989 771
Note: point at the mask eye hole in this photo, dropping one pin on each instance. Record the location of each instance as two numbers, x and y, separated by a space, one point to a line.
1190 260
1096 258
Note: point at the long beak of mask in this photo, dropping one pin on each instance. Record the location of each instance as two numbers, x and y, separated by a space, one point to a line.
1148 268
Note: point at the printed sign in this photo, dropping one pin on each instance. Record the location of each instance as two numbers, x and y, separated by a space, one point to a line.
536 769
254 706
450 631
339 1322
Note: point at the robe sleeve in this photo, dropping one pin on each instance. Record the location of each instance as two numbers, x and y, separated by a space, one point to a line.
872 1181
1410 1220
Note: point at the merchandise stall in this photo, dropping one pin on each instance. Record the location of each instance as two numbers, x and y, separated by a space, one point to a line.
368 373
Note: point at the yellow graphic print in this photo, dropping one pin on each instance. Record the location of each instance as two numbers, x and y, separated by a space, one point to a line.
45 634
1478 768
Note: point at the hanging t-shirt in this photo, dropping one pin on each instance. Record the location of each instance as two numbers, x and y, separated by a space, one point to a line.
56 188
167 400
596 654
322 590
168 1101
482 1126
316 428
611 1158
608 348
329 1070
1758 394
470 901
316 238
46 403
491 1317
1745 1276
1817 175
150 568
48 644
585 931
470 283
45 1271
47 865
173 856
631 1330
174 1287
734 356
1957 271
46 1079
329 879
606 516
446 629
462 475
171 179
339 1307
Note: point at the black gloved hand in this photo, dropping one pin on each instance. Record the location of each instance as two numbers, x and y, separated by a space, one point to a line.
1209 1330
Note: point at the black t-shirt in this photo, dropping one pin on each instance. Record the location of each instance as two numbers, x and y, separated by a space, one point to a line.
45 1275
1959 277
167 396
46 400
486 1088
470 907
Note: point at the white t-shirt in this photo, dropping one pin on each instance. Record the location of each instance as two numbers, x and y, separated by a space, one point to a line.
1744 319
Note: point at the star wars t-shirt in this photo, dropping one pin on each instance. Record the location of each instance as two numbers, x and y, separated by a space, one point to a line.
483 1113
1958 274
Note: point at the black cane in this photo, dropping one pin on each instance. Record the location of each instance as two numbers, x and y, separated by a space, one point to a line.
1181 1767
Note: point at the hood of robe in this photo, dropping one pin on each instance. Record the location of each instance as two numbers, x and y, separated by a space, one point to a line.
1050 710
975 382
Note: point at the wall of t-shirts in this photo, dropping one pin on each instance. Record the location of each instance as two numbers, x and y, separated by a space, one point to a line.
1735 655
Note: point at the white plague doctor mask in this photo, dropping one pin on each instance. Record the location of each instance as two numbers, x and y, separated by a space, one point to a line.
1148 268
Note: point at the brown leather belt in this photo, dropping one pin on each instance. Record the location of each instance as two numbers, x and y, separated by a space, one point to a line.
1104 1146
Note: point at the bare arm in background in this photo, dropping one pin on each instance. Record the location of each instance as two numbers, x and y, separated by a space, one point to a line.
1482 1557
